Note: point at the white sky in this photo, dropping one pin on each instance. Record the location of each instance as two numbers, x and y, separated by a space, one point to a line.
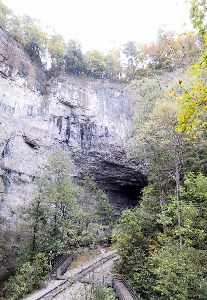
105 24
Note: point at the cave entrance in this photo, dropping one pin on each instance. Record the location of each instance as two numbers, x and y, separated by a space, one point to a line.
124 194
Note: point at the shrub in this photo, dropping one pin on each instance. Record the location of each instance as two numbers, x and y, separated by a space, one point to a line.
101 292
28 277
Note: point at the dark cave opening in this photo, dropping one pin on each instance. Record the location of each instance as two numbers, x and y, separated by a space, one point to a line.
124 194
125 197
121 179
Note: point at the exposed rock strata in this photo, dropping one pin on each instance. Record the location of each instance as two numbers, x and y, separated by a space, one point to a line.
88 118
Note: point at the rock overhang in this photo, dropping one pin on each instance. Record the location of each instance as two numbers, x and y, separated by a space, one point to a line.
88 118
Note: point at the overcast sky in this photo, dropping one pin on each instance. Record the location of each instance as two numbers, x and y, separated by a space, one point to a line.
105 24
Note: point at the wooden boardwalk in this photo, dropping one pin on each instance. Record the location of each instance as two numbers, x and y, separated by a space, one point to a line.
122 292
87 274
122 288
55 287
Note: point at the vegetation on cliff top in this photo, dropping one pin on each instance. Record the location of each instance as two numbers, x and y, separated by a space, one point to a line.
169 52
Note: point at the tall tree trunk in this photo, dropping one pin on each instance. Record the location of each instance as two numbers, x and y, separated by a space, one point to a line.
161 202
35 229
177 180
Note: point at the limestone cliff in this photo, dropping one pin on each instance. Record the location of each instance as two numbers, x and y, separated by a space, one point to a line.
88 118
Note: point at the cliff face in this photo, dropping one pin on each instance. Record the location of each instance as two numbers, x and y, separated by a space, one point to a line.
88 118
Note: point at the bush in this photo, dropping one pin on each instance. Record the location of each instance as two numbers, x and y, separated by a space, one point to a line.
29 276
180 273
101 292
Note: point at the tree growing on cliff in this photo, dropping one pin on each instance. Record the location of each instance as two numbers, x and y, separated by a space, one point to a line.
57 50
114 68
5 14
95 64
74 58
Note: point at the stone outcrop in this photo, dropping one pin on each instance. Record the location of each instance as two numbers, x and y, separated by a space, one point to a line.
88 118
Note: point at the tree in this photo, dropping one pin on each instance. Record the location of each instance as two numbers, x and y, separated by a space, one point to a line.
74 59
198 11
5 14
113 65
179 275
57 50
63 216
28 277
133 244
95 64
192 115
105 210
101 292
130 51
29 33
148 242
148 92
192 118
50 213
159 145
99 211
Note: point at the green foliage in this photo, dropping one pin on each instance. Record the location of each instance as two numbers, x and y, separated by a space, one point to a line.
9 246
65 216
130 50
4 14
28 32
50 215
57 50
176 232
29 276
157 143
192 117
105 210
179 274
113 65
95 64
148 243
195 188
98 209
135 234
101 292
148 92
198 13
74 59
170 51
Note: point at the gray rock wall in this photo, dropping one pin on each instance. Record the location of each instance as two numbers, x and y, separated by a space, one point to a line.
88 118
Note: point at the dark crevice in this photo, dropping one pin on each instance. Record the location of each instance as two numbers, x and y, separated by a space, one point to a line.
6 150
30 143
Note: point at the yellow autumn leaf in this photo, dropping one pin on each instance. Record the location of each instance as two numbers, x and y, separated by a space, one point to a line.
171 94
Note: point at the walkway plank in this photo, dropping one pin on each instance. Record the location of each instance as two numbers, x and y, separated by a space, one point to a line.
122 291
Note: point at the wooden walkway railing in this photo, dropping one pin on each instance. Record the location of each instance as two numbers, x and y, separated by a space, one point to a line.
123 289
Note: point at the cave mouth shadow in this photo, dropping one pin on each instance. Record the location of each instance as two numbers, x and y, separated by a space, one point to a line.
126 196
